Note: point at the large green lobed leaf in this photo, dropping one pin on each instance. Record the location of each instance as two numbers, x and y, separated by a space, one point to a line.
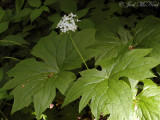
103 88
36 82
111 37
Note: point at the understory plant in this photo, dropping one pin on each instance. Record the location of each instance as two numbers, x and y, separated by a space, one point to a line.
58 57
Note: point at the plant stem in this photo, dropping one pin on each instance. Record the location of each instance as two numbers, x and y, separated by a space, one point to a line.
9 41
3 115
7 57
6 103
78 51
83 62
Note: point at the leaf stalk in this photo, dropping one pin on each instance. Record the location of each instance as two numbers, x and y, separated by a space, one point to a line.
78 51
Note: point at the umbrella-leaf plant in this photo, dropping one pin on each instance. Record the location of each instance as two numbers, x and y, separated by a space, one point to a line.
124 62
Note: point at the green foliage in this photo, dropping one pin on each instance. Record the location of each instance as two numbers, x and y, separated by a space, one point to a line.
12 40
147 102
48 2
41 79
107 69
148 35
1 73
104 88
86 23
34 3
18 5
35 14
2 12
21 14
68 5
3 26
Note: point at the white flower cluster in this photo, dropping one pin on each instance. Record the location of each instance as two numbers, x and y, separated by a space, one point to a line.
68 23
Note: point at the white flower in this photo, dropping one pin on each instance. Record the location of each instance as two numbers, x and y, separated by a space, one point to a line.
68 23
